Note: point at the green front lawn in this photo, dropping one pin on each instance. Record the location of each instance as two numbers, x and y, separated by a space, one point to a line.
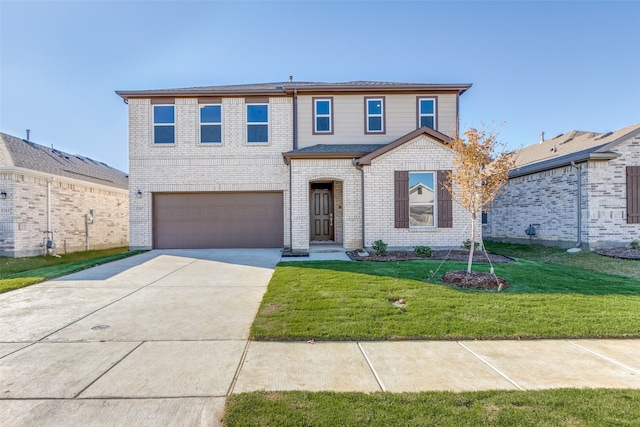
353 301
19 272
561 407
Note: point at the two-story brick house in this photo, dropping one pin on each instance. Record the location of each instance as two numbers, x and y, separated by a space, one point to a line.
291 164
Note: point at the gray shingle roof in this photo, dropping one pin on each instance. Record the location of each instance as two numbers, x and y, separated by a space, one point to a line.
574 146
29 155
286 88
338 148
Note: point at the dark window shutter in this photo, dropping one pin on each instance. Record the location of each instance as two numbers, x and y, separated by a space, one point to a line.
633 194
402 199
445 201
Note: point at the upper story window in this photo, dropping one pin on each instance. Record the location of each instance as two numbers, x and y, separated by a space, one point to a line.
164 125
211 124
258 123
323 116
422 199
374 112
427 112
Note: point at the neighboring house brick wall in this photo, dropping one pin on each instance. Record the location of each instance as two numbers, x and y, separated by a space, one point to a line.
606 214
545 199
549 198
189 166
379 198
24 218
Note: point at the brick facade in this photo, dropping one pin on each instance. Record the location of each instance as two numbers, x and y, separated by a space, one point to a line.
37 203
548 200
420 154
189 166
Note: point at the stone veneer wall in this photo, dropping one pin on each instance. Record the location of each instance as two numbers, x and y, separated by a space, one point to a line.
421 154
548 199
189 166
23 215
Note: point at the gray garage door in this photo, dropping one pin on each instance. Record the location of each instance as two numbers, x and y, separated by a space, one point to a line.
218 220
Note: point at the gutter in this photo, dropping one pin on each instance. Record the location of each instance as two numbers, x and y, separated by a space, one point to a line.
578 204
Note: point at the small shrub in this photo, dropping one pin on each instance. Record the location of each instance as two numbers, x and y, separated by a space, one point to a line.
425 251
635 244
466 245
380 247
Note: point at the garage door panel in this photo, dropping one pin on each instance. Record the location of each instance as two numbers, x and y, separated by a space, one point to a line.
218 220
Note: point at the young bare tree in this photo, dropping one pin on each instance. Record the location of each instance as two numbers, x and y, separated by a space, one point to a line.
481 168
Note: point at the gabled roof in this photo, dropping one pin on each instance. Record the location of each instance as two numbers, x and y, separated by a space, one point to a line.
575 146
287 89
36 157
440 137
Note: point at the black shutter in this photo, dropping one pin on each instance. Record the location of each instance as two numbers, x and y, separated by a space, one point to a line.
445 201
401 199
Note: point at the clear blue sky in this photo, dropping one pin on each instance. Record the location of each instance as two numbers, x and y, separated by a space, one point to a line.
538 66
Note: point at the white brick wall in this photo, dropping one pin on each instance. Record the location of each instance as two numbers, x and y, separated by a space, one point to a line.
347 201
549 199
188 166
421 154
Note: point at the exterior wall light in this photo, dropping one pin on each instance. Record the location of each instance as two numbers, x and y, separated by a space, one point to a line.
3 195
139 194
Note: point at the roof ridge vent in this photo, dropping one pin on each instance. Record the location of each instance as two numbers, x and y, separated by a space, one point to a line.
604 135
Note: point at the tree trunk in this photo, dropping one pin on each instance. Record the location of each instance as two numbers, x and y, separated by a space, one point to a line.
473 243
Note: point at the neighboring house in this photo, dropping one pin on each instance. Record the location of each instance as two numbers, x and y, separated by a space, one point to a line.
577 189
292 165
47 196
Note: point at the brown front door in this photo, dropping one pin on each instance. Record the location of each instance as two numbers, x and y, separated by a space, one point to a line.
321 212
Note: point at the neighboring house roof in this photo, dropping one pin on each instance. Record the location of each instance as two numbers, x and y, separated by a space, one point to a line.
575 146
29 155
288 88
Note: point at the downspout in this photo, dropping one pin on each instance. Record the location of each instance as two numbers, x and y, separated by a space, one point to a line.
361 169
579 204
48 206
295 146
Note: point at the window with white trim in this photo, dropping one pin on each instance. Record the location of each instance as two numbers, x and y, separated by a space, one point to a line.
374 120
211 124
322 115
427 112
164 126
422 199
258 123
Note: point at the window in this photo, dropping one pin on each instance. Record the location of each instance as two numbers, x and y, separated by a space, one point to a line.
164 130
421 199
258 123
427 112
210 123
415 199
374 111
323 116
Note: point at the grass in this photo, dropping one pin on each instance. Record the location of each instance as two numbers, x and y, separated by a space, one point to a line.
352 301
19 272
560 407
584 259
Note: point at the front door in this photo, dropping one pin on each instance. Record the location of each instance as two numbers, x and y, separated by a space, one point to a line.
321 212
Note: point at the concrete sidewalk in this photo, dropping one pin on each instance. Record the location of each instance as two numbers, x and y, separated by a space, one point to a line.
162 339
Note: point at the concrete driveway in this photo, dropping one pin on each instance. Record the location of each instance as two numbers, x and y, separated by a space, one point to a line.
155 339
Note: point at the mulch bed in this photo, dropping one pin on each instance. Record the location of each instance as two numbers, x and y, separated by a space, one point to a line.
454 255
475 280
625 253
